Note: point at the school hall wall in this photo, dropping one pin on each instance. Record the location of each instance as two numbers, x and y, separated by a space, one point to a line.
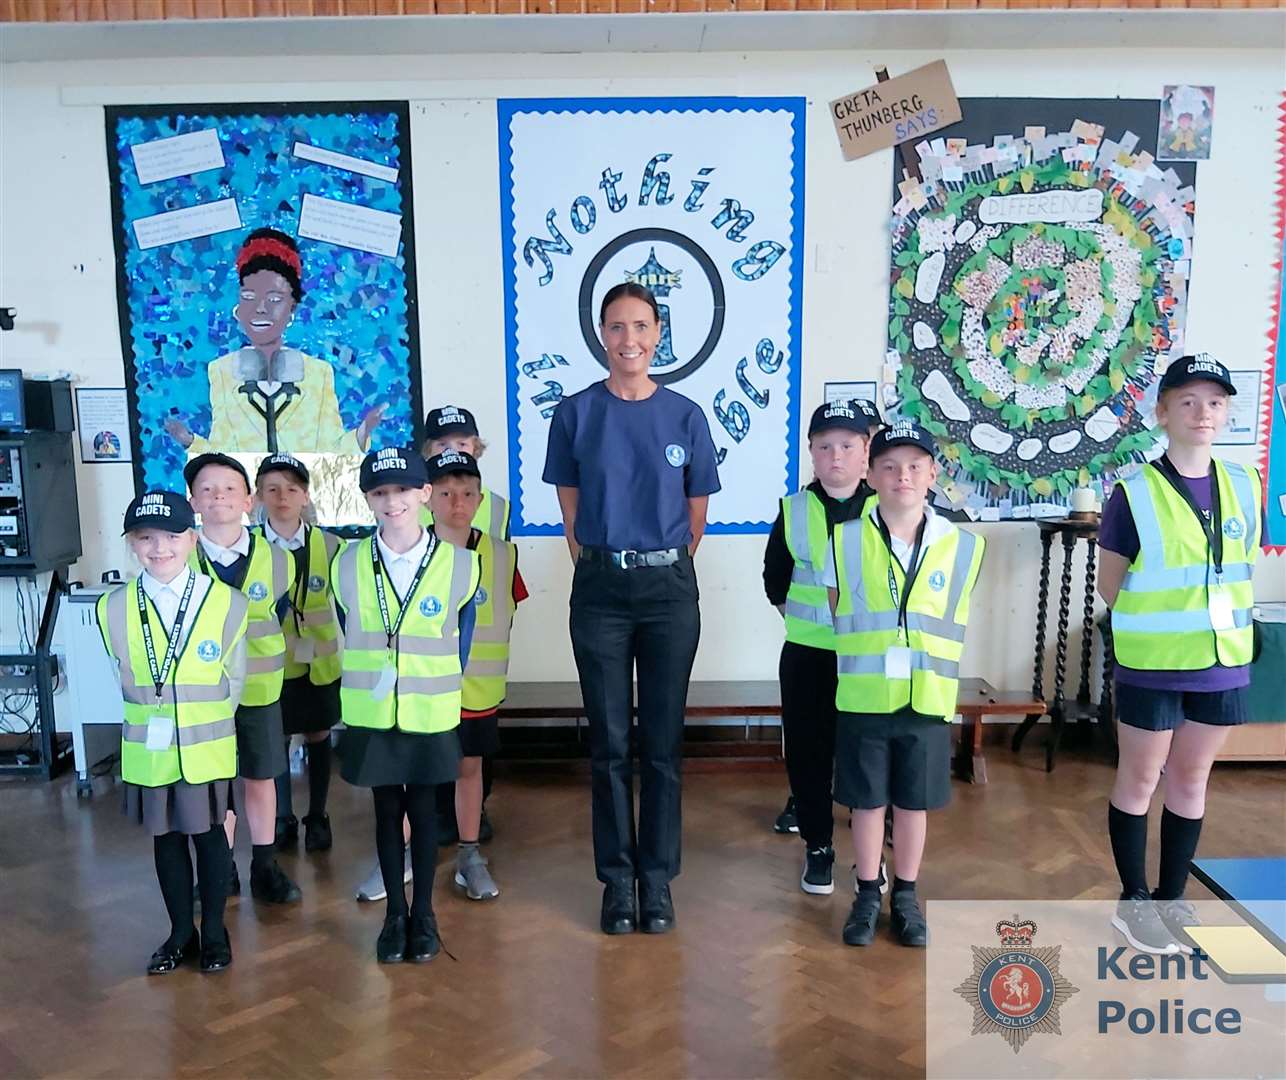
57 264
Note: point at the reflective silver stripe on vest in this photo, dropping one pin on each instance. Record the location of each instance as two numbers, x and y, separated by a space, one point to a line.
348 584
265 665
853 584
1145 524
1241 484
873 664
498 506
261 628
1184 577
485 668
281 570
145 693
189 735
1172 622
806 613
461 573
498 632
406 684
410 645
797 526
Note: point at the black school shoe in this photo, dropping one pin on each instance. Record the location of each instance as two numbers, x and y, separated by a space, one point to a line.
863 917
656 910
216 955
422 941
390 948
272 886
618 915
170 958
317 834
907 920
287 836
786 821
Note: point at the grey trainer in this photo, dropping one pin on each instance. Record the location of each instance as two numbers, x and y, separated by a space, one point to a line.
472 875
372 888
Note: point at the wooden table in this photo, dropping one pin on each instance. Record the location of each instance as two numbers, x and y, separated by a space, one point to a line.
978 698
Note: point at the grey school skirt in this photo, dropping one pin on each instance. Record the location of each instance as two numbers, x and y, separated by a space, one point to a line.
191 809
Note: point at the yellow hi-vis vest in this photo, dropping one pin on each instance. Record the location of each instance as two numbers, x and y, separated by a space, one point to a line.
1161 618
493 605
312 611
808 611
270 572
492 518
866 619
195 695
425 652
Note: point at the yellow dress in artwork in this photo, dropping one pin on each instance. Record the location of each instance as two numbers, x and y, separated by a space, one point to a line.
307 422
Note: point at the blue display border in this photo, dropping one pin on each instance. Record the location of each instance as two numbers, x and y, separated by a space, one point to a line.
506 110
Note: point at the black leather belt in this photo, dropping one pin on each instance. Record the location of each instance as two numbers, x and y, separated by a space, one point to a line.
630 560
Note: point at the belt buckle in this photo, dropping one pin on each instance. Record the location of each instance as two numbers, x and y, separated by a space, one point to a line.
625 559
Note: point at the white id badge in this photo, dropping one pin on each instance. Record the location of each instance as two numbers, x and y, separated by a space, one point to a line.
160 731
897 663
385 683
1221 610
304 650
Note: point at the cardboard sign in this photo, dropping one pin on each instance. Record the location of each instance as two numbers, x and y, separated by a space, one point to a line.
907 107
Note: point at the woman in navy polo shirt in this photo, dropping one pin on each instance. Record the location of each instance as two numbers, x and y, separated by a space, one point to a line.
635 465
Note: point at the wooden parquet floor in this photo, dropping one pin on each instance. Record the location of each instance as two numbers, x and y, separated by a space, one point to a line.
754 982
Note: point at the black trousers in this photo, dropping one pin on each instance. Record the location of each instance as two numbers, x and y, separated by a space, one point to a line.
808 682
645 618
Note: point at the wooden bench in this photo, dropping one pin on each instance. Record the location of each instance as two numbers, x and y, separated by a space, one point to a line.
978 698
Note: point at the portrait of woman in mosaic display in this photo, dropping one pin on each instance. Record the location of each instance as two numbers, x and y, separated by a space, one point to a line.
266 286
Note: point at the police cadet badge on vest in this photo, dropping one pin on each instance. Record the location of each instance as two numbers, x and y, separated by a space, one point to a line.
1016 990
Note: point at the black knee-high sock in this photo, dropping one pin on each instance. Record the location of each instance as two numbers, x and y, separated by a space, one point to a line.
285 800
1179 836
390 805
1129 836
318 775
444 799
213 865
422 811
174 873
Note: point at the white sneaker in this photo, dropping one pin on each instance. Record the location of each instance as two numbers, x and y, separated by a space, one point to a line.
372 888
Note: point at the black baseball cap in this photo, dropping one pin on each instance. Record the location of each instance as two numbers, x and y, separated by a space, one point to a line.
199 462
451 462
164 510
392 465
1191 368
449 420
902 433
847 414
283 463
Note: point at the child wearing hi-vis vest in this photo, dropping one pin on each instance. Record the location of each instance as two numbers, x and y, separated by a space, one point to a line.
794 562
178 641
405 604
899 580
456 486
1179 539
230 553
310 692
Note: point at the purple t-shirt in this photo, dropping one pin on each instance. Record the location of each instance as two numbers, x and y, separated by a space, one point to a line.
635 463
1118 533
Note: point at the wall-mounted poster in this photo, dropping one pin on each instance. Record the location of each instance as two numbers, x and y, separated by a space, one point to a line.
102 424
266 286
1272 446
1038 289
1186 123
700 199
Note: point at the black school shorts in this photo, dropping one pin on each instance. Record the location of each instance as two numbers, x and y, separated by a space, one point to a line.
261 743
479 736
1164 710
900 759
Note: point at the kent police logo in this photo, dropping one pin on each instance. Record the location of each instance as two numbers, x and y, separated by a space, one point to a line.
316 583
208 650
257 591
675 455
430 606
937 580
687 287
480 597
1233 529
1017 990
